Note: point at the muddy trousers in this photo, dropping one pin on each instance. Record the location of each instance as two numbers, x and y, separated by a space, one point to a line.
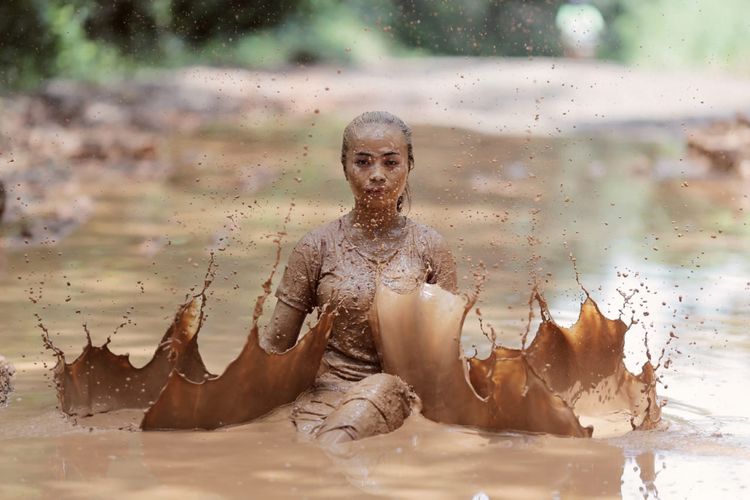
337 410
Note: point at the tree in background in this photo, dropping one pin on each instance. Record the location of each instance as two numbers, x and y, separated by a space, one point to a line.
678 34
27 45
129 25
97 39
200 21
479 27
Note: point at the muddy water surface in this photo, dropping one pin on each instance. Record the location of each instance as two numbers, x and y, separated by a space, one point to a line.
641 221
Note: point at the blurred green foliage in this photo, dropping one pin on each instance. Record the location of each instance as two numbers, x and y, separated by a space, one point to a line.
681 33
78 55
318 31
27 44
98 39
479 27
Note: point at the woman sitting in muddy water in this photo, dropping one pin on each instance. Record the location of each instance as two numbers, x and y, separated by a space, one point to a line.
342 262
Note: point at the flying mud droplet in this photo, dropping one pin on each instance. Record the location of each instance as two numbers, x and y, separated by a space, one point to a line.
6 380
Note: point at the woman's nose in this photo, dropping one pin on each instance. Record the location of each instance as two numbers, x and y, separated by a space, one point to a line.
377 175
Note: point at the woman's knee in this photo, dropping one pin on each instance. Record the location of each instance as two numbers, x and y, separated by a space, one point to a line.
383 390
377 404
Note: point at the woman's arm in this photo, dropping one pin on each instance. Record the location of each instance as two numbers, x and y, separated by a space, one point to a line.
296 294
443 265
282 332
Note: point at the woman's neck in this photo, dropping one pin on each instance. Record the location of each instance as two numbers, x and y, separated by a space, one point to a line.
376 222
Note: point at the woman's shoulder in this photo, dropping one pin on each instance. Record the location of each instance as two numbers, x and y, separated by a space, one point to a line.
327 232
427 235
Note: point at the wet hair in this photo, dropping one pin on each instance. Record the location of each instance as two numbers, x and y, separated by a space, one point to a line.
381 118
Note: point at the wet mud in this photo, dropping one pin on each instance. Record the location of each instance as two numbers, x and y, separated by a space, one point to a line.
725 144
563 382
254 384
338 411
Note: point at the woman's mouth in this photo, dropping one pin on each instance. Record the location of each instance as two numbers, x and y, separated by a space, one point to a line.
375 189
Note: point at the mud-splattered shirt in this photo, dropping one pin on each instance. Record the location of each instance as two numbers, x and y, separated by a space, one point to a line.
325 264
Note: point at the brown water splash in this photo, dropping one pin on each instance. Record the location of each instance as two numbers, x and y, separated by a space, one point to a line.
252 385
175 386
99 380
566 380
565 377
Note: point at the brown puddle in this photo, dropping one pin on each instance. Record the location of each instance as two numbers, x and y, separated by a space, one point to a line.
702 450
569 381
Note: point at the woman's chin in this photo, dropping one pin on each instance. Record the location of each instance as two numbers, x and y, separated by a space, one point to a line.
378 202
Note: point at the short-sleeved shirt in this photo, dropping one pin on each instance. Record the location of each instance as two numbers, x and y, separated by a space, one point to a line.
326 265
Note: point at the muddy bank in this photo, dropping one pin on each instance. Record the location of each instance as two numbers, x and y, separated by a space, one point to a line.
121 121
50 138
68 136
498 96
725 145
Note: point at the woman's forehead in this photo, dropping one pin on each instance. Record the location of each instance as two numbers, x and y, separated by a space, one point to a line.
379 134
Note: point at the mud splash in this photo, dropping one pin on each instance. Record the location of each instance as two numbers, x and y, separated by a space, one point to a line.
255 383
568 381
175 388
99 380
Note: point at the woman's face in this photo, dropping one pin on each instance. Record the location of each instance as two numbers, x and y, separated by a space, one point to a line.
377 165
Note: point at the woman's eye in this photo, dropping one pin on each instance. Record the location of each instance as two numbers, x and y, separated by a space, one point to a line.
391 163
361 162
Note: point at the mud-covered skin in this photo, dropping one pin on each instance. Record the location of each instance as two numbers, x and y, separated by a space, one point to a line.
353 399
327 267
337 410
341 264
